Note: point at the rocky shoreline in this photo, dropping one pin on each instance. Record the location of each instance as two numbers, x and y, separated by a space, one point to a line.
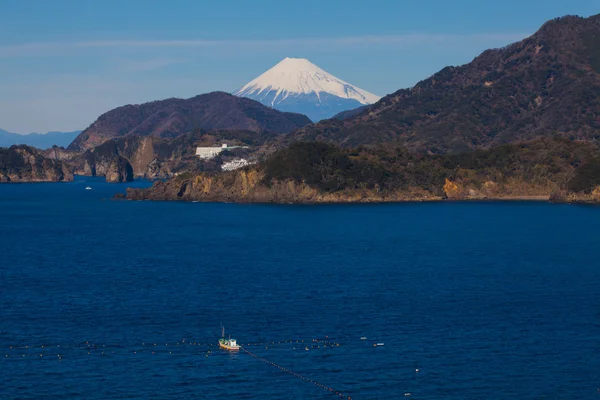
22 163
247 186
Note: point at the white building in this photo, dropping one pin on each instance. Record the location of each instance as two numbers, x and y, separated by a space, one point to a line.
210 152
235 164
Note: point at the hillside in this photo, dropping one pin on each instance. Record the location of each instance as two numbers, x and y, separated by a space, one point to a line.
27 164
174 117
547 84
319 172
125 158
38 140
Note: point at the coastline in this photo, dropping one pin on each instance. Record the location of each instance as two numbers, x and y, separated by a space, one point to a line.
510 199
432 199
246 187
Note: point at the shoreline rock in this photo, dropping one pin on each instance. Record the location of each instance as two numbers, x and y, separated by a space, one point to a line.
246 186
22 163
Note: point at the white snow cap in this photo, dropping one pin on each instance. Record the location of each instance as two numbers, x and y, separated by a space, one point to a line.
294 76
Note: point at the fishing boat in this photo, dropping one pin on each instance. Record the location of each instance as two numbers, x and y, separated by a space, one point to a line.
227 344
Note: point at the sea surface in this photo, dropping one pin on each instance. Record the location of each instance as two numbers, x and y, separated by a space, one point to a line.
105 299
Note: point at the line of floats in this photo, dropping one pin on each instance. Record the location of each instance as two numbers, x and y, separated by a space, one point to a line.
155 348
297 375
308 343
151 346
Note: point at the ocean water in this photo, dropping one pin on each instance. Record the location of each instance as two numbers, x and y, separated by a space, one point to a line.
103 299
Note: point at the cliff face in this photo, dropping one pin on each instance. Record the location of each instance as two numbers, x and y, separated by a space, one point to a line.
155 158
547 84
248 186
565 196
107 162
175 117
27 164
159 158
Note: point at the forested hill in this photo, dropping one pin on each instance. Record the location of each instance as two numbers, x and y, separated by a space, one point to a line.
547 84
319 172
175 117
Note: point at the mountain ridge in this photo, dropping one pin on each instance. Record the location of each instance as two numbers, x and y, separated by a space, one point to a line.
174 117
296 84
39 140
546 84
519 122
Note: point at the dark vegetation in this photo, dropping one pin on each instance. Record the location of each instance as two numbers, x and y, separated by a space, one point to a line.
587 177
24 159
330 168
546 85
323 166
11 159
175 117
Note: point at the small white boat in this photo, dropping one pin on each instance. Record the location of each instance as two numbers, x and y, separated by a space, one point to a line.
363 338
379 344
88 188
227 344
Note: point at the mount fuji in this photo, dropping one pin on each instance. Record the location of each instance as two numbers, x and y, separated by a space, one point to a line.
297 85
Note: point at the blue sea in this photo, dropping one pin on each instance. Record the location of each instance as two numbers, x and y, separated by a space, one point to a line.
105 299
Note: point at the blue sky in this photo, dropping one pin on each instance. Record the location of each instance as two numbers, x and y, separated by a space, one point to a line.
65 62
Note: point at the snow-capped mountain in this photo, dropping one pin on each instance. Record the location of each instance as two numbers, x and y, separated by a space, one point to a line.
297 85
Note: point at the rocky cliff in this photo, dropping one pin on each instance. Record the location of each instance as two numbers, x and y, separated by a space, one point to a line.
106 162
175 117
158 158
27 164
247 186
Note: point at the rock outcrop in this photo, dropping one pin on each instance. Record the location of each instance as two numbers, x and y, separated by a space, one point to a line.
105 161
118 170
132 157
27 164
158 158
247 186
